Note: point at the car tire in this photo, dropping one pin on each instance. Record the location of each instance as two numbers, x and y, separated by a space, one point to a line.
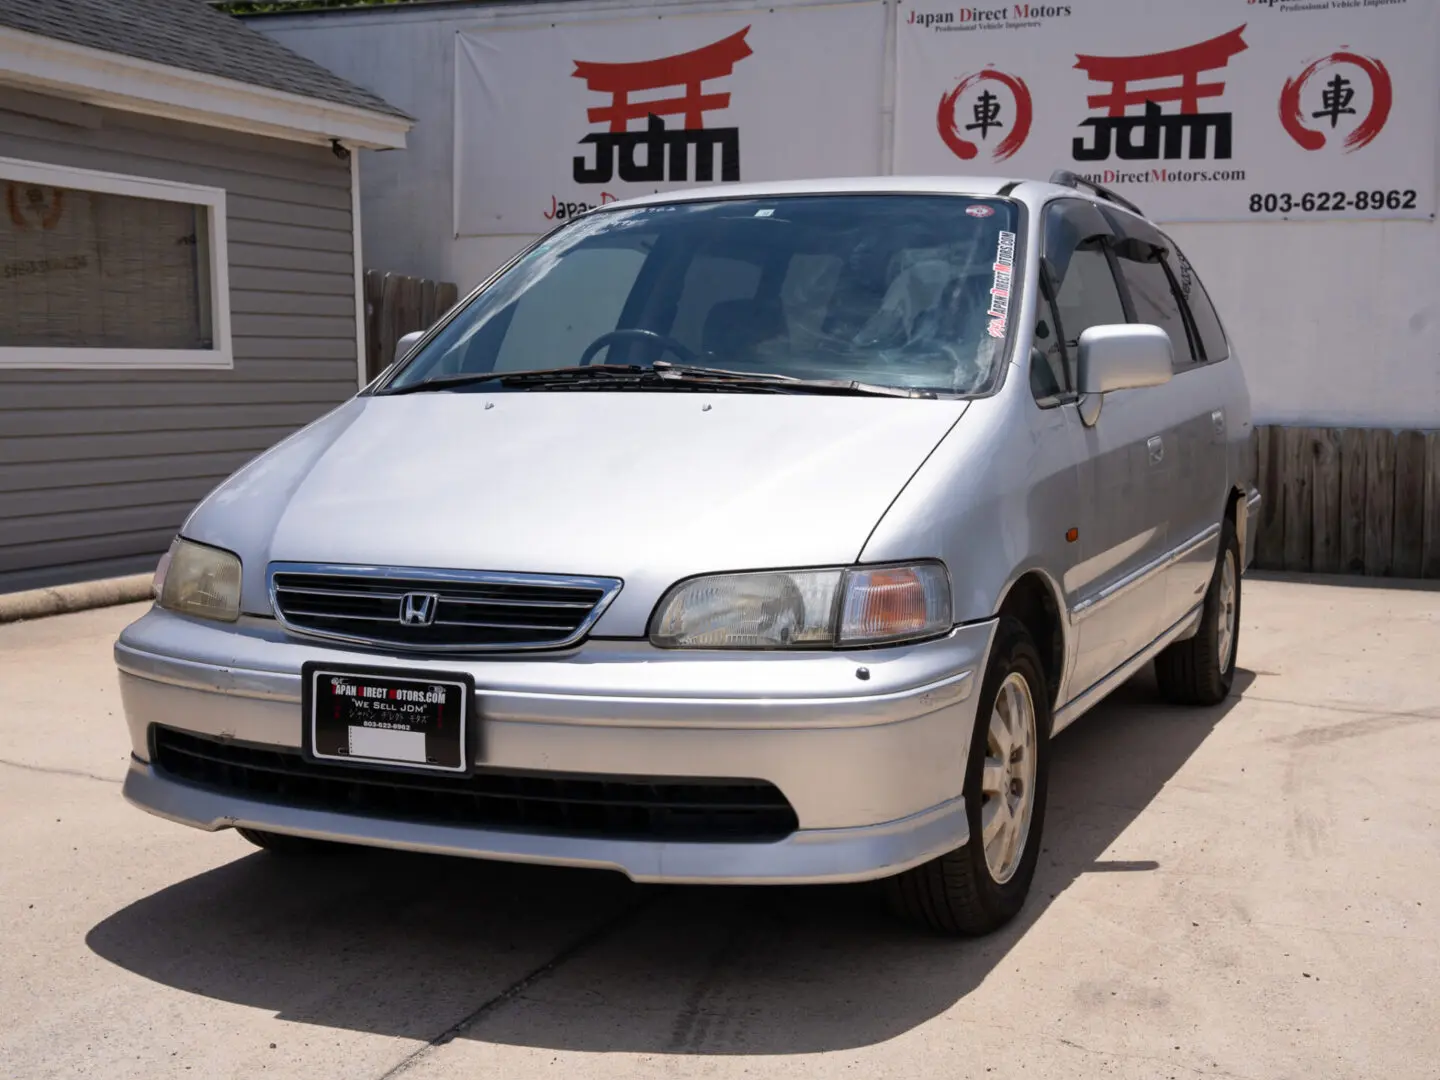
285 844
1200 670
967 892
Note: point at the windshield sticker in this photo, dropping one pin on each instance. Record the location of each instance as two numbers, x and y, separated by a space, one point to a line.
979 211
765 213
1000 287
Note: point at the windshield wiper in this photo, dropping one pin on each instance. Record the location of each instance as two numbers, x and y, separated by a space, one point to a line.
722 376
660 371
557 374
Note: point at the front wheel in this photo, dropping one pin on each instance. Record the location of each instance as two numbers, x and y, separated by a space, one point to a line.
979 887
1200 670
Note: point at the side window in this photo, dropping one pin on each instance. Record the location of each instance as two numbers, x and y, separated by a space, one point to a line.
1080 286
1153 295
1148 270
1049 379
1202 311
1087 296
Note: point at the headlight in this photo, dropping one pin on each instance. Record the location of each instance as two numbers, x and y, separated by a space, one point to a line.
197 580
785 609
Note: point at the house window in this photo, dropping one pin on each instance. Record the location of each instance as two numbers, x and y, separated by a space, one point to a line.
106 271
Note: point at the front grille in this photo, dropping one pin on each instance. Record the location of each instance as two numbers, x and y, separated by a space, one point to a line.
458 610
565 804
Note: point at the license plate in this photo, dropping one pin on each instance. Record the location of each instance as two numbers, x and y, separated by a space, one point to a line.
367 717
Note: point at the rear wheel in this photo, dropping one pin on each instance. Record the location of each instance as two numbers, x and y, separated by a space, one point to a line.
1201 669
981 886
285 844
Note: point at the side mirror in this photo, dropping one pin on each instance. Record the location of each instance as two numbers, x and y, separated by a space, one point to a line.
407 342
1123 356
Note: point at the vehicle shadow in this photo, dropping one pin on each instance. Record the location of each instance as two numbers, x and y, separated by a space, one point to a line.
409 945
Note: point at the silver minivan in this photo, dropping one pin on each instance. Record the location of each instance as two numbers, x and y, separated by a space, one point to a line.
759 534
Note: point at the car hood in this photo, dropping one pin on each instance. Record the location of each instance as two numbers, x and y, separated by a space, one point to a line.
646 487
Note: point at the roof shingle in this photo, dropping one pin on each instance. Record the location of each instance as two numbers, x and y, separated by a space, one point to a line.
191 35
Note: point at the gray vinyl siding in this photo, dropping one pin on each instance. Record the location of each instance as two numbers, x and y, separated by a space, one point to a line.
98 469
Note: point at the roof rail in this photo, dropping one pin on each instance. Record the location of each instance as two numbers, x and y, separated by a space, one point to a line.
1065 178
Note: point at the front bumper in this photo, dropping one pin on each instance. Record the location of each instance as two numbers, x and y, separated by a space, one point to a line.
873 767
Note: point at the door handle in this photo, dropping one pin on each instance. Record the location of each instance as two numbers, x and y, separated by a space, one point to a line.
1217 418
1156 446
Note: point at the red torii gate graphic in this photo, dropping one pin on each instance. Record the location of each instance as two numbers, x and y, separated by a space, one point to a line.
1187 64
713 61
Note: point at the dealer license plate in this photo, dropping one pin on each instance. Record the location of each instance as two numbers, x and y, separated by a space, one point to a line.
368 717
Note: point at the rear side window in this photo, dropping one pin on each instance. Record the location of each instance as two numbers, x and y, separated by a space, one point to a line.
1153 295
1202 311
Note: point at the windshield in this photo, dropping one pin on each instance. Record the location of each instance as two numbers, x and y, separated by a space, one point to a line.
891 290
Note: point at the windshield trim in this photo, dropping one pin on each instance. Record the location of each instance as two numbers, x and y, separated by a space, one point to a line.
1020 290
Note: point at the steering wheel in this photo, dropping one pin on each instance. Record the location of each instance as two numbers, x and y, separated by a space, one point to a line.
666 342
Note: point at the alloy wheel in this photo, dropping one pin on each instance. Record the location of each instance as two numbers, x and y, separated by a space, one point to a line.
1007 782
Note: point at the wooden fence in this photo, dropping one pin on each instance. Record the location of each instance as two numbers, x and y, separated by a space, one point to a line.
394 306
1349 501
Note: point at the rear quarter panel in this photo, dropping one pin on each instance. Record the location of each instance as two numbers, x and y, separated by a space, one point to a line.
1243 463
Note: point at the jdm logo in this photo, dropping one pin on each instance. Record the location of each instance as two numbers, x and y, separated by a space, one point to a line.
1007 116
667 150
1336 101
1153 133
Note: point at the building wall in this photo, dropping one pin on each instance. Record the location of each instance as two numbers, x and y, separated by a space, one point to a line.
412 194
1337 323
98 469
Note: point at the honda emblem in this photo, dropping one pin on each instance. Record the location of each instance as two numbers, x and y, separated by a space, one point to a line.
418 608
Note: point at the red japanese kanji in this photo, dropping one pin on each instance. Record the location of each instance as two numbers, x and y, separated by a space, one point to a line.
1382 96
1186 64
690 69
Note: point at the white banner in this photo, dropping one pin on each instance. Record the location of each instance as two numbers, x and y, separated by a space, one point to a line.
1198 110
552 118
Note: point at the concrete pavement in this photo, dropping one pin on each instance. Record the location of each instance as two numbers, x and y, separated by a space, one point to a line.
1247 891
